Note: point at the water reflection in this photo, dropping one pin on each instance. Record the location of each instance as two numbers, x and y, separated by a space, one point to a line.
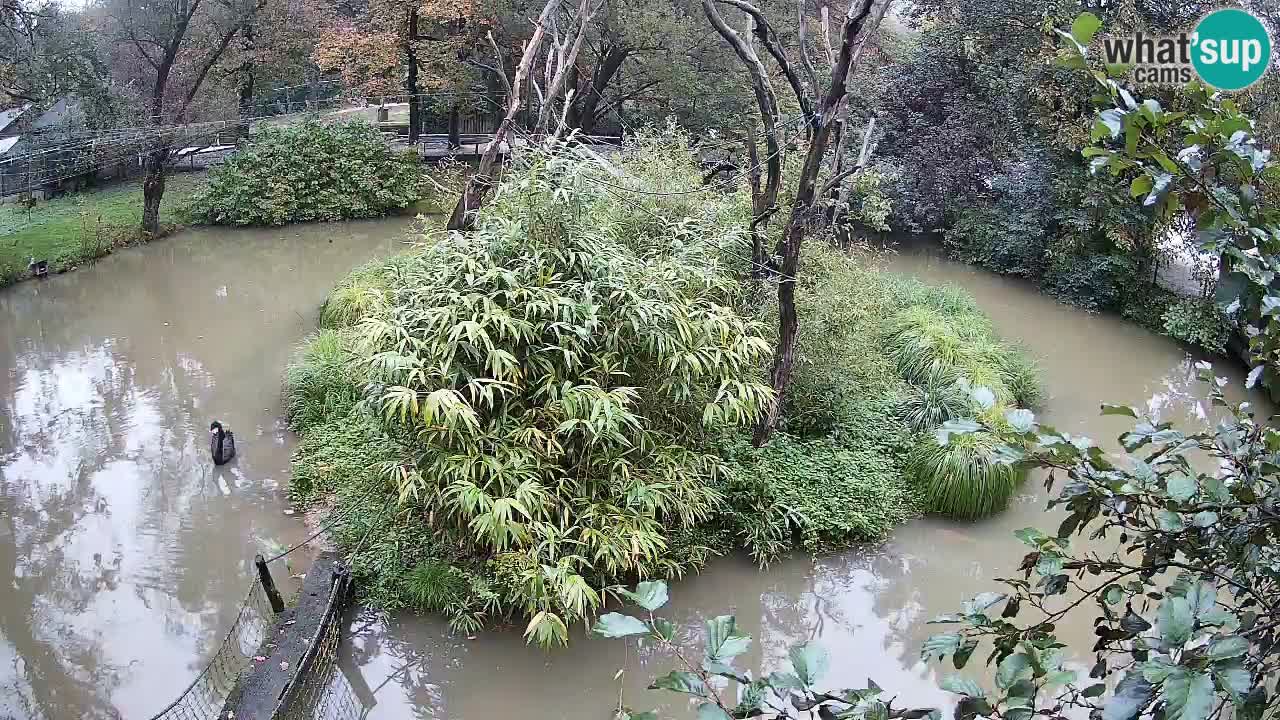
869 606
123 550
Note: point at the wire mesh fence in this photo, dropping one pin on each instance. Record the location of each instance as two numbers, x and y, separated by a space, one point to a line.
320 689
204 697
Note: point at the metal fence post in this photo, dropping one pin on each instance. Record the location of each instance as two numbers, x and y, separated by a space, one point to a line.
268 584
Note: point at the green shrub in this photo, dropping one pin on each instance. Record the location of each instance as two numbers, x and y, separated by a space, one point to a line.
1020 373
1199 322
827 494
362 293
1145 304
307 172
320 383
344 453
965 477
999 239
1093 282
550 379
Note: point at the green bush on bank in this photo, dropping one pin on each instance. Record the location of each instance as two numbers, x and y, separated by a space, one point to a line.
309 172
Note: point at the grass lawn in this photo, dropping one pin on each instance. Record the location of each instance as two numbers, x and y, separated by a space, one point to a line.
81 226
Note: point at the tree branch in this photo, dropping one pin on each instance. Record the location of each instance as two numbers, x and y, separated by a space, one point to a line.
811 73
764 31
463 217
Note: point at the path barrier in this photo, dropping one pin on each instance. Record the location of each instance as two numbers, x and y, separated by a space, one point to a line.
204 697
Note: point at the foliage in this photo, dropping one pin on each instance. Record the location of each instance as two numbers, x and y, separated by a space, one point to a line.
965 477
934 400
309 171
777 695
1199 322
363 293
321 381
551 379
1094 282
1182 601
1183 588
825 493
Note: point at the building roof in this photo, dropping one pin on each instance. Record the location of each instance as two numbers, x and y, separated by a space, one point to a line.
7 117
6 144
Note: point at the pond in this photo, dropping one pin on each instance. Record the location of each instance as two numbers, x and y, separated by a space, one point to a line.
869 606
123 551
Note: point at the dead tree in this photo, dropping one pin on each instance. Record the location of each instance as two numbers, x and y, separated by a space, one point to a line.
561 57
473 195
860 21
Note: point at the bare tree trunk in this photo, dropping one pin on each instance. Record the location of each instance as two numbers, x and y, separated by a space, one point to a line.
154 166
759 206
566 54
768 104
473 195
455 126
248 77
853 36
411 78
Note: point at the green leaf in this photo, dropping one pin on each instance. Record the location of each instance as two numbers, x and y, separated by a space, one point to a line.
1012 669
711 711
962 654
1170 521
940 645
1095 690
723 640
1227 647
1189 696
1031 537
1204 519
1133 693
616 625
1157 669
810 662
1175 621
780 682
1181 487
1084 27
1202 597
962 686
646 715
1160 186
1233 678
1113 595
1108 408
1020 420
679 681
649 595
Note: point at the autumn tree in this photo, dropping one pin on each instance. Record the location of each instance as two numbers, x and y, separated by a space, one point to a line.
173 45
418 46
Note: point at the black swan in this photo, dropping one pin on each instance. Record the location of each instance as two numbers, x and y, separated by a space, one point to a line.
222 443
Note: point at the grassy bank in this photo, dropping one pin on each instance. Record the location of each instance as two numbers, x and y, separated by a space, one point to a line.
508 423
80 227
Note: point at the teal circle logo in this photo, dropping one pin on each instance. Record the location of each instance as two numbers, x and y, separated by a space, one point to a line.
1231 49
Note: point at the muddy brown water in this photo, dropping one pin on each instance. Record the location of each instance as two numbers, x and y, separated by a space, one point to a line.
123 552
